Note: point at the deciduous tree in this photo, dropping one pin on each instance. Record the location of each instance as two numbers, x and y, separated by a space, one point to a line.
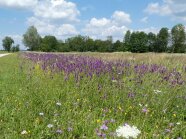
178 38
32 39
7 43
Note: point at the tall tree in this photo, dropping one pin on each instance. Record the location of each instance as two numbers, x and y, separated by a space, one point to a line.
118 46
32 39
109 43
7 43
162 40
178 38
49 44
89 44
151 41
126 40
138 42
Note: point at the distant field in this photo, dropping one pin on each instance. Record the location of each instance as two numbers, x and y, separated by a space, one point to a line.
89 95
2 52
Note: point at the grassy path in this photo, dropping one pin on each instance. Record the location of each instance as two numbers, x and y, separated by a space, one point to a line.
1 55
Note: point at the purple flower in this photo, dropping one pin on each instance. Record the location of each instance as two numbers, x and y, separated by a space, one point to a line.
103 127
167 130
131 95
106 122
59 131
101 134
144 110
69 129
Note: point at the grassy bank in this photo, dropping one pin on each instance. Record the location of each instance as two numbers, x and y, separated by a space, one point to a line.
37 103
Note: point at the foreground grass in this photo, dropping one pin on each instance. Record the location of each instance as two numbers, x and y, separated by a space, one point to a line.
31 100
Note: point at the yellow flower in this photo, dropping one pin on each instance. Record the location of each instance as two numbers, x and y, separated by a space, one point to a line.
174 115
98 121
119 107
37 120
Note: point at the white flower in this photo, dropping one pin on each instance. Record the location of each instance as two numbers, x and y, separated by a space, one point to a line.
114 81
127 131
58 103
178 123
140 105
157 91
41 113
49 125
24 132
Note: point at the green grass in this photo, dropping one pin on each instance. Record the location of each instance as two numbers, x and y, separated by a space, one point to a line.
2 52
24 93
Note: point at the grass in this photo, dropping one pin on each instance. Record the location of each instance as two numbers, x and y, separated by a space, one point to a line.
2 52
31 99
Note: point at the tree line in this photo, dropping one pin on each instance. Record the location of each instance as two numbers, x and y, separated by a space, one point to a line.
172 41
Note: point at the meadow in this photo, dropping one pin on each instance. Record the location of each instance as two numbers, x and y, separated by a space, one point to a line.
89 95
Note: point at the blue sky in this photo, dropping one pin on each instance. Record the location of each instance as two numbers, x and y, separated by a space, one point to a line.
96 18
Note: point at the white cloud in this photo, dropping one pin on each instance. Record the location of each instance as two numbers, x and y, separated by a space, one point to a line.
48 9
45 27
66 30
144 19
55 17
176 9
120 18
156 8
99 22
18 3
57 9
103 27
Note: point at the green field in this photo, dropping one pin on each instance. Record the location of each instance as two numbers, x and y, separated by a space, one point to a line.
40 104
2 52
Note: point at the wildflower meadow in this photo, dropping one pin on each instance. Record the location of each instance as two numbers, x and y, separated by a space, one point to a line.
92 96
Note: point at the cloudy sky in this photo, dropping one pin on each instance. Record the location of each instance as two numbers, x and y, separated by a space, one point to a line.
96 18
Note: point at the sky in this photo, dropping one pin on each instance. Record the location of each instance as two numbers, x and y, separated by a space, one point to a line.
95 18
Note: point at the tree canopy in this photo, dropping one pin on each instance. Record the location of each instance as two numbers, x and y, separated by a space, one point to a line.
134 41
32 39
